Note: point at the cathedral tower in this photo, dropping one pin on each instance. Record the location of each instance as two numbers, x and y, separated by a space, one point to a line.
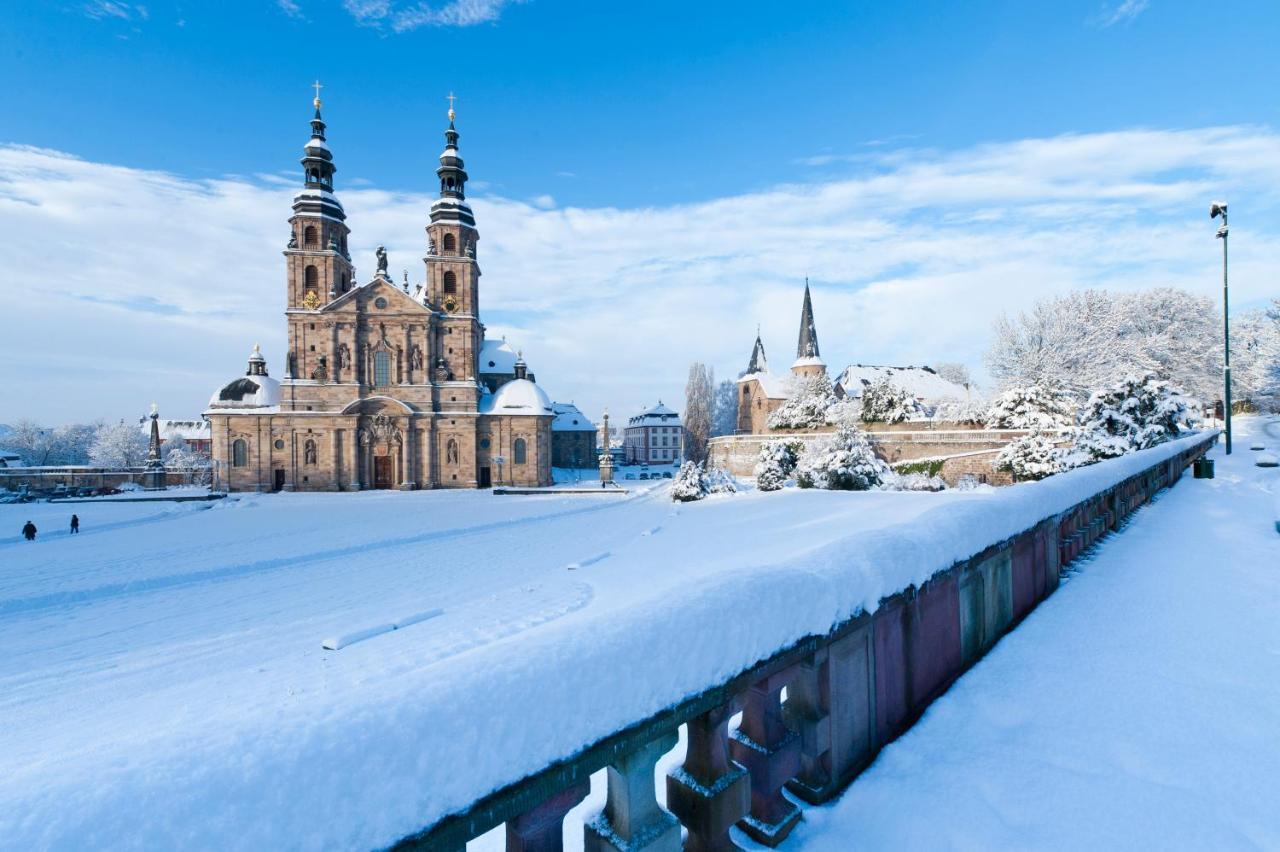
318 267
453 275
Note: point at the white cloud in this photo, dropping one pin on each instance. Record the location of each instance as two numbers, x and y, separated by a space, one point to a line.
102 9
290 8
411 16
1126 10
130 285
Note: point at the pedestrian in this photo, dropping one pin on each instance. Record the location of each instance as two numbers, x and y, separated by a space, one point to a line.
75 524
29 530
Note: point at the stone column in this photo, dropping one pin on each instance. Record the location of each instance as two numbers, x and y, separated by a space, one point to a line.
542 829
352 439
710 792
335 454
632 819
409 480
771 753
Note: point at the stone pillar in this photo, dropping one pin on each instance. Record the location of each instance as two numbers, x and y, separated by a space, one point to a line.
632 819
351 439
807 712
771 753
409 480
710 792
542 829
335 454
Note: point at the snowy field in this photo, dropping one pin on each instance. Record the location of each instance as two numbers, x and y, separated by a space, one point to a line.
165 681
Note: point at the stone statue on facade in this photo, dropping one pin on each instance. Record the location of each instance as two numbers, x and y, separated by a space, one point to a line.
344 357
321 372
293 240
415 359
381 254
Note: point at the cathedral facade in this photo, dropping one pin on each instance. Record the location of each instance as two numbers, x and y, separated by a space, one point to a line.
382 387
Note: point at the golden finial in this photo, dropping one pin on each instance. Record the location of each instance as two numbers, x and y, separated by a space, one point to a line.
316 85
451 99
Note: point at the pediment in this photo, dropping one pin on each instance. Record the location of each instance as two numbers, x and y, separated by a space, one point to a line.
366 295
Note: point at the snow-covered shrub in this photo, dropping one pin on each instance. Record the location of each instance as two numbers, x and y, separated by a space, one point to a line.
807 406
885 402
1133 414
845 412
967 412
118 445
777 463
1030 407
1035 456
913 482
689 484
844 462
717 480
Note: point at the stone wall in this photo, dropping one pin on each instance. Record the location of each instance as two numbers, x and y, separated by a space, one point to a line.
41 479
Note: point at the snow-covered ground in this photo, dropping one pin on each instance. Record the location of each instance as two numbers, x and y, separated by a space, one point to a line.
165 682
1137 708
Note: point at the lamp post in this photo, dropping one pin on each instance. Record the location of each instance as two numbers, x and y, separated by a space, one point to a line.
1216 209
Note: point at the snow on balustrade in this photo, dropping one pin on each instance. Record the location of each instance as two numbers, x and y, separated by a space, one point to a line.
176 660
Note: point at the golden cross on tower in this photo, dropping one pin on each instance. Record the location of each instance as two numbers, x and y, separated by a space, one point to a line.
316 85
452 97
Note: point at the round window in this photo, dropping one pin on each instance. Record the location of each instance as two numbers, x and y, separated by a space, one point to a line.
491 364
380 302
484 443
279 444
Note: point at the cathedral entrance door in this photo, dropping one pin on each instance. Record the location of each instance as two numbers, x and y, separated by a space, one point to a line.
485 480
278 483
382 472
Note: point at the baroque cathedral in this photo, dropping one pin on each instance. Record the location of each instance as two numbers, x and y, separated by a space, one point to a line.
382 387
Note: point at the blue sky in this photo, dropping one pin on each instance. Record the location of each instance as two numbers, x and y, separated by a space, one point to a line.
651 180
641 103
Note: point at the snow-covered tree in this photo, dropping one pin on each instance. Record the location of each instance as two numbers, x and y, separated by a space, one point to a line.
1255 358
1030 407
1092 338
119 445
717 480
953 372
777 463
843 462
913 482
725 419
885 402
699 400
1133 414
1035 456
807 406
689 484
178 456
971 411
42 445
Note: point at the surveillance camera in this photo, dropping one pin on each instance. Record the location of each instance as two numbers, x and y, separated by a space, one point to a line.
1217 208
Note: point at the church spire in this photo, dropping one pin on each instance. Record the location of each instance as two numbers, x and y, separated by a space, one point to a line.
808 360
452 204
758 364
807 347
316 197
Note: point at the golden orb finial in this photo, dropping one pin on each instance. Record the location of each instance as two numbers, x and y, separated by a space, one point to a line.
316 85
452 97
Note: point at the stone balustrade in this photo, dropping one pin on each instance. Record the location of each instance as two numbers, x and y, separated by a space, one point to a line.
813 716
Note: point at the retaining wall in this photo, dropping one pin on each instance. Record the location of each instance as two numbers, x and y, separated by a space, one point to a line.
849 693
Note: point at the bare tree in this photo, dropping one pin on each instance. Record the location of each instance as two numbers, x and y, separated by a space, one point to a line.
725 419
699 403
954 372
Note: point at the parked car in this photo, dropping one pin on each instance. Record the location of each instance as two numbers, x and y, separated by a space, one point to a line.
644 476
666 474
631 476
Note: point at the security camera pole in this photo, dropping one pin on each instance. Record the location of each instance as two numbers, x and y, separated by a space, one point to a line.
1216 209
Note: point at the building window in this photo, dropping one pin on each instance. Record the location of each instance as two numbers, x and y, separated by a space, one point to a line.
450 282
310 278
310 238
450 244
382 368
239 453
518 450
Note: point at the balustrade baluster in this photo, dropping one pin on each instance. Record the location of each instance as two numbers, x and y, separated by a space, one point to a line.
542 829
632 819
770 751
710 792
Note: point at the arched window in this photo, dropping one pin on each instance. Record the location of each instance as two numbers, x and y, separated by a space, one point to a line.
450 244
518 450
450 282
239 453
309 237
310 278
382 368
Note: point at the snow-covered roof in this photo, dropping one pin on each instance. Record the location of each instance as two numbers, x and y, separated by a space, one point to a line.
659 415
774 386
497 356
570 419
519 396
921 382
809 361
247 392
322 194
317 142
187 430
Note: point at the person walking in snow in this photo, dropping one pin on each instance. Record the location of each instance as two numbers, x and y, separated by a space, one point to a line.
75 524
29 531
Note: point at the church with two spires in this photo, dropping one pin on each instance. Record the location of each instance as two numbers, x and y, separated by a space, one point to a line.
382 387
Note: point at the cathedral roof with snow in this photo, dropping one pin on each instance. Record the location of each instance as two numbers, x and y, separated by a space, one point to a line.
773 385
518 397
569 418
659 415
497 356
247 392
921 382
